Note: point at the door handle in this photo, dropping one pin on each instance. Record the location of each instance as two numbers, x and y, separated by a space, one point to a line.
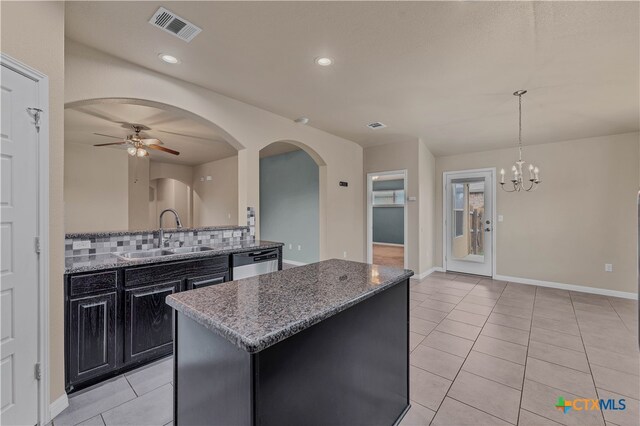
487 229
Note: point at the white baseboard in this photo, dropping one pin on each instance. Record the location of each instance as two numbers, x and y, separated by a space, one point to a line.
388 244
58 406
427 273
571 287
294 263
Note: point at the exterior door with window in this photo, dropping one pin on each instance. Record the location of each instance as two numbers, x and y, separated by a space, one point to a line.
468 217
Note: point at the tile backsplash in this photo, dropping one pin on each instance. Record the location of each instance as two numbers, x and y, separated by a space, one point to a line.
110 242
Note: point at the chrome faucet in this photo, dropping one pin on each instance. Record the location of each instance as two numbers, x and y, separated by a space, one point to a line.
161 240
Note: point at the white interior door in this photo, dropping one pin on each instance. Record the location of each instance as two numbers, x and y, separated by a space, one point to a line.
19 261
468 215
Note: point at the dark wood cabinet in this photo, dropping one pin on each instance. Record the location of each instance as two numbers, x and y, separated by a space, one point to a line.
117 319
148 322
92 336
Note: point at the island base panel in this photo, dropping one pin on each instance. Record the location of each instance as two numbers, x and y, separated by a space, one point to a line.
351 368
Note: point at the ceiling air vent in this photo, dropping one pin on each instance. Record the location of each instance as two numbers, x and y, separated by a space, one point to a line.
173 24
376 125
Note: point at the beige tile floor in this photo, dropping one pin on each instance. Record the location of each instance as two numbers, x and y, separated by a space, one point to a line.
483 352
487 352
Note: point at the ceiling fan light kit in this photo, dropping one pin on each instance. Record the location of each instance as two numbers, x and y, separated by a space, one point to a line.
517 181
138 146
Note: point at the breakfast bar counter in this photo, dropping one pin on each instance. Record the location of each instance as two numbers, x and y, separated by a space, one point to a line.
325 343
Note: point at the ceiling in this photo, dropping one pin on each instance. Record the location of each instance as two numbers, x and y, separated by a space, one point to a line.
440 71
196 142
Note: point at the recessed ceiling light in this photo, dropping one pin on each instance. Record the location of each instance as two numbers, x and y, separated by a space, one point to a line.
301 120
169 59
324 62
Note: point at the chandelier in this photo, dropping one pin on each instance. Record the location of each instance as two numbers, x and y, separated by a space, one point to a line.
518 181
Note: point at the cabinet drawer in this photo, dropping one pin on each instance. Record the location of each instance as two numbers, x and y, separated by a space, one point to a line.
92 283
207 280
174 271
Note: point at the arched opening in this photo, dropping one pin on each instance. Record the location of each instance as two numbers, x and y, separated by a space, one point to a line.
108 189
292 187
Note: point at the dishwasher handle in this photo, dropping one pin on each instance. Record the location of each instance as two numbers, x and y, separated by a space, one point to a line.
248 258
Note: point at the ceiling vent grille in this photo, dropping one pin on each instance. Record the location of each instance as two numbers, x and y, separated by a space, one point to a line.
376 125
173 24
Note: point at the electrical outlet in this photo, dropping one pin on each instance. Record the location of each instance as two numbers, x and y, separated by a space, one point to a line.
80 245
344 254
299 247
290 246
500 218
608 267
228 215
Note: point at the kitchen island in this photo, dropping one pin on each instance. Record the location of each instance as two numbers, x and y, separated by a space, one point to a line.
325 343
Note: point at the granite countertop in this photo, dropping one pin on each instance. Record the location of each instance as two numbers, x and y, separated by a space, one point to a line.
255 313
97 262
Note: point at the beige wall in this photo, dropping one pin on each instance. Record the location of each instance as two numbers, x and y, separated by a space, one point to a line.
215 202
95 189
33 32
172 194
179 172
426 200
93 75
583 215
138 190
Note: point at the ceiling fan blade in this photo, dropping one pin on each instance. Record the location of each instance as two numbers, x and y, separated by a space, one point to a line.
113 143
108 136
149 141
189 136
162 148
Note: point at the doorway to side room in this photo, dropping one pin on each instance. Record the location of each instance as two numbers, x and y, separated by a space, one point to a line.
387 218
290 201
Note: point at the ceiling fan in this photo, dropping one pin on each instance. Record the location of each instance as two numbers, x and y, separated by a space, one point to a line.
138 146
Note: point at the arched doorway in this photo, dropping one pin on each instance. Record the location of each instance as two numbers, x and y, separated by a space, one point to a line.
103 179
291 200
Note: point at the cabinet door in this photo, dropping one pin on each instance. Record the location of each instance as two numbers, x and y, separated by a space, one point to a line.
148 321
92 337
207 280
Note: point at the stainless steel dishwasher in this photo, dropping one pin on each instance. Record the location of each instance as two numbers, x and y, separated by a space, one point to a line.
254 263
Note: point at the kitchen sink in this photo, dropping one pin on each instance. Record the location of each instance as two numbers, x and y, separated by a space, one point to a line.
143 254
194 249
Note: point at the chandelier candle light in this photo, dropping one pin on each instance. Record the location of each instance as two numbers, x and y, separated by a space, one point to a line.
518 178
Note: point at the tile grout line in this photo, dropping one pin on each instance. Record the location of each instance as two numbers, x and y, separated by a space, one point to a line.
526 357
593 380
479 409
465 358
537 414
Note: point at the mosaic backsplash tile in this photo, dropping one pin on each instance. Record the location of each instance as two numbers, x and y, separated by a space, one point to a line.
112 242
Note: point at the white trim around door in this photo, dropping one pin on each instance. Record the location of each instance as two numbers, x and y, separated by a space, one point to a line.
370 176
446 176
44 411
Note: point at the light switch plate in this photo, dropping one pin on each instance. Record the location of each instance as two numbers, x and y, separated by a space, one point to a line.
500 218
608 267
